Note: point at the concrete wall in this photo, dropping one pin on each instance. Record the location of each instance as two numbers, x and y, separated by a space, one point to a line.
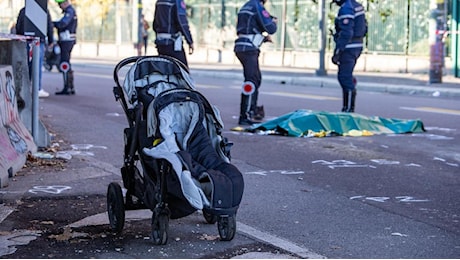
15 139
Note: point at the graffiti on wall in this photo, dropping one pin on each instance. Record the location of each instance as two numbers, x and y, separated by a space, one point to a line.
15 140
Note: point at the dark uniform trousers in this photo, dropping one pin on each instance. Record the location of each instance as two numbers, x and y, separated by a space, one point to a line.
345 77
251 72
347 64
168 50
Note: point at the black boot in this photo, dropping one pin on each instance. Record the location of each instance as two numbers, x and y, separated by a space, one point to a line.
345 97
245 113
66 89
259 113
352 101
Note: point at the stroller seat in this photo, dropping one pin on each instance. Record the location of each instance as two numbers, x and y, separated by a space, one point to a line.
187 146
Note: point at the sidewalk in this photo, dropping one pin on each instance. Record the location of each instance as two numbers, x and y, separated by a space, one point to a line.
401 83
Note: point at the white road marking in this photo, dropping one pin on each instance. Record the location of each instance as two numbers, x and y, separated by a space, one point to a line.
277 93
206 86
297 95
434 110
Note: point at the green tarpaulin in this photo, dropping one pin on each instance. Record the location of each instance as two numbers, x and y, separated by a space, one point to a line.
304 122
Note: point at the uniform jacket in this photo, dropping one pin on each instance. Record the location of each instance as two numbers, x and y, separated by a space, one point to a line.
252 19
20 28
350 26
171 18
68 22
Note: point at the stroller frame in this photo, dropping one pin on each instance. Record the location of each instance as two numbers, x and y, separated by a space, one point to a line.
151 190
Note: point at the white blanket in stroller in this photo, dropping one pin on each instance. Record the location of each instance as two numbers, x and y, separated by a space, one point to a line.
176 123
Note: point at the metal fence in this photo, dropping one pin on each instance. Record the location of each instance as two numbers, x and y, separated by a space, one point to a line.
395 27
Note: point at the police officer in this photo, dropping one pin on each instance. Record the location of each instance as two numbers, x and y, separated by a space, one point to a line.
67 28
170 25
350 29
47 40
254 27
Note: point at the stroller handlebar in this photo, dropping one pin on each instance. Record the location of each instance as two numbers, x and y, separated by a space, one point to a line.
120 65
134 59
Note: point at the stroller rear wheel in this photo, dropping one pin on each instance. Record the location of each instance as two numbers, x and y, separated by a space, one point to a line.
115 207
226 226
160 225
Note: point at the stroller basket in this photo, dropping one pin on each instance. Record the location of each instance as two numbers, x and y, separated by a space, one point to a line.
175 134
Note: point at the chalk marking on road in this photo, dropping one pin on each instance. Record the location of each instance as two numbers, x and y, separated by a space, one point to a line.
57 189
445 161
434 110
384 161
408 199
297 95
283 172
341 164
263 173
278 242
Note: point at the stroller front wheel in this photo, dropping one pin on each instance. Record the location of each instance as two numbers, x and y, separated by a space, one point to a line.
160 225
226 226
115 207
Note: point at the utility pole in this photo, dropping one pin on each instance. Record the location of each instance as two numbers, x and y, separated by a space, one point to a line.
322 39
455 32
139 27
436 39
35 24
222 26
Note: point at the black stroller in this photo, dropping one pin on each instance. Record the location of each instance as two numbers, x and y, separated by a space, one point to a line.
175 134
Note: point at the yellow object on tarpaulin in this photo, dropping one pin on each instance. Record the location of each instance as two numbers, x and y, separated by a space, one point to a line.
309 123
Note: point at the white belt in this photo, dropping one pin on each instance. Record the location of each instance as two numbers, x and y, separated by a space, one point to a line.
67 36
256 39
354 45
164 35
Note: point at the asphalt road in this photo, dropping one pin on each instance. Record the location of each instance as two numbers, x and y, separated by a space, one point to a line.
383 196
